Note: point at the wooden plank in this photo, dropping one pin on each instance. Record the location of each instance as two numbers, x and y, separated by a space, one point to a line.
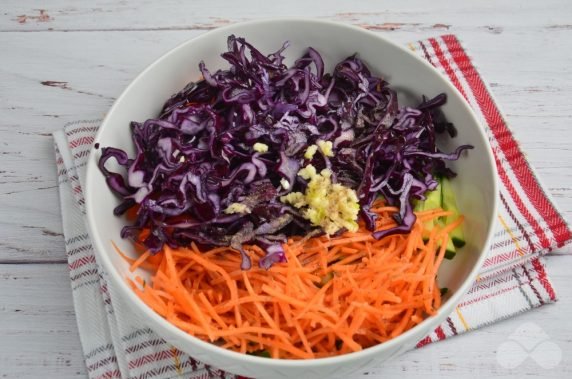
493 17
38 327
30 221
39 333
95 67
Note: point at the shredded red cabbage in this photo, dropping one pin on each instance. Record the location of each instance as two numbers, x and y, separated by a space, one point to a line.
197 158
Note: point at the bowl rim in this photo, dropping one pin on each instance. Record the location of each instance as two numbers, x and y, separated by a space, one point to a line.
119 282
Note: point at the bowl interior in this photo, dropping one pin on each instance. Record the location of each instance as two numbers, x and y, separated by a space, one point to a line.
475 185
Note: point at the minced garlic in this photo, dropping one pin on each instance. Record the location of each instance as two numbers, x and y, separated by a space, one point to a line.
326 147
260 147
331 206
236 208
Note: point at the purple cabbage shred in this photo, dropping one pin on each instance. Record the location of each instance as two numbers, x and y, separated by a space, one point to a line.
197 158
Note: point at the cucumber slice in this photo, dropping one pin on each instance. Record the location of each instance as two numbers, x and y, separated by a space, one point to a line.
449 203
458 237
325 279
450 250
432 201
449 255
261 353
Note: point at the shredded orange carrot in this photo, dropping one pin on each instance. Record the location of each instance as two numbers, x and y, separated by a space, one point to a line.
131 213
334 295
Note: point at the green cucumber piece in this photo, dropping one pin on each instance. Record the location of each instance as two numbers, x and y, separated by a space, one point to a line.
449 203
458 237
450 254
261 353
325 279
432 201
450 250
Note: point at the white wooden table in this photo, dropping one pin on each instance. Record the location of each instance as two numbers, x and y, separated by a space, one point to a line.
67 60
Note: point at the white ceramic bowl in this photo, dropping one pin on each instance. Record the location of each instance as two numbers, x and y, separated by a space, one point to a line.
476 185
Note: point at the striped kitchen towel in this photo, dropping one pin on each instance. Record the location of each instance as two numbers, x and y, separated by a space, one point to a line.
117 344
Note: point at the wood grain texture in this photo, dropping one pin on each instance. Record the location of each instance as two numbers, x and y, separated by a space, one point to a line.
52 78
64 60
412 16
37 323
